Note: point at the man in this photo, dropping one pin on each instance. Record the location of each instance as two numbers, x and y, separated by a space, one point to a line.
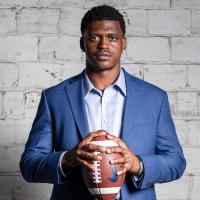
103 99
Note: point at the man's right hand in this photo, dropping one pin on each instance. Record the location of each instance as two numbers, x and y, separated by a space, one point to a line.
83 154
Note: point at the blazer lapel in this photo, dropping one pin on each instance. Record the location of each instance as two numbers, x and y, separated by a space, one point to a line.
131 107
75 95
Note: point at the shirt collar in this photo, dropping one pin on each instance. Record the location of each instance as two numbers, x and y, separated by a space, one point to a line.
119 83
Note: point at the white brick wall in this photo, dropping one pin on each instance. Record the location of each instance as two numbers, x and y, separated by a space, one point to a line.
10 156
194 77
47 74
174 190
21 128
136 22
14 104
7 132
186 49
56 49
195 22
6 187
144 49
182 131
1 105
14 3
70 21
18 49
188 4
173 102
195 188
62 3
194 136
150 4
35 20
32 99
169 22
25 190
8 75
39 47
170 77
193 164
7 21
187 103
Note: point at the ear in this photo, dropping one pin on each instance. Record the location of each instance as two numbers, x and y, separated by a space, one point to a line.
82 44
124 43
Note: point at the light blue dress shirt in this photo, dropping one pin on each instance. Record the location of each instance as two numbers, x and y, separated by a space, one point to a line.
105 108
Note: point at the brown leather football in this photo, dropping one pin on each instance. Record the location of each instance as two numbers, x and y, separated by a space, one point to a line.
103 182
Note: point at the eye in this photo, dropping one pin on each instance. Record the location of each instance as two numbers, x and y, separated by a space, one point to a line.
112 38
93 38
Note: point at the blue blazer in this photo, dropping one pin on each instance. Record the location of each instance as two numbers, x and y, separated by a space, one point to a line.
61 123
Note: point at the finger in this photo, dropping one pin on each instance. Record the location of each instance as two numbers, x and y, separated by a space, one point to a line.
117 140
92 135
116 150
85 164
120 160
123 171
96 134
88 156
93 147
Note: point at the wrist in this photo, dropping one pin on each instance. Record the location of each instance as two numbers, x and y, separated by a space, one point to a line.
67 161
138 167
141 167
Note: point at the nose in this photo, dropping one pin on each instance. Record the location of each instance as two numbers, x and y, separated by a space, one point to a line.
103 43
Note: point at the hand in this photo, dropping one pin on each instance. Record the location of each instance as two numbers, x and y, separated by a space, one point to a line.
130 160
83 153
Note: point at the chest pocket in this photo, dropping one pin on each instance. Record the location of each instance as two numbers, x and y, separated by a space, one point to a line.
143 121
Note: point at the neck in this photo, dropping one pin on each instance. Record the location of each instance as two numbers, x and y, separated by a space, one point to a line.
102 79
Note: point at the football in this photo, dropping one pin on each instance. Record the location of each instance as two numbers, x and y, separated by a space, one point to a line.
103 182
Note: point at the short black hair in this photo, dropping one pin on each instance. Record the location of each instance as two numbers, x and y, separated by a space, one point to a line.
103 12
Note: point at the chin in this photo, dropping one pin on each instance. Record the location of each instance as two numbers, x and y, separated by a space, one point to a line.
103 66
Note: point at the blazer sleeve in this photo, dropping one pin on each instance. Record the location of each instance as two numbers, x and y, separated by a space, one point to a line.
168 162
39 162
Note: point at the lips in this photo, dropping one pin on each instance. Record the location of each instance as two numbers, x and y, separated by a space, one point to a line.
103 55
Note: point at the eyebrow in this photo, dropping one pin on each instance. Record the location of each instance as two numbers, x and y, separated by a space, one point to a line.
99 34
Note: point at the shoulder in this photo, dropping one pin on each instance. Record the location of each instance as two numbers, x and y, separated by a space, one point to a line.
60 88
141 84
144 87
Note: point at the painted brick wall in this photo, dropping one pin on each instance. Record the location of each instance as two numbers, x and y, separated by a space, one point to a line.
39 47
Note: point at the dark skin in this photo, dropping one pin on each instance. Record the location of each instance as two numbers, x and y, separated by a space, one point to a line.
103 43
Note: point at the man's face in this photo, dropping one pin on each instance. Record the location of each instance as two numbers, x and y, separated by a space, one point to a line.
103 43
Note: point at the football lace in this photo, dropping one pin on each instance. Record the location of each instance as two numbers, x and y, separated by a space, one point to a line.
96 170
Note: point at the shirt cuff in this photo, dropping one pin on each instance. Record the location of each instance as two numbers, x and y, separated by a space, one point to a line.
60 166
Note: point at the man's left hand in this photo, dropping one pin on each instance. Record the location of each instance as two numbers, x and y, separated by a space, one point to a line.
130 160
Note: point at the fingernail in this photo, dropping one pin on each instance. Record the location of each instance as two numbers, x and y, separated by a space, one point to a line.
91 168
118 173
99 157
112 162
104 149
108 151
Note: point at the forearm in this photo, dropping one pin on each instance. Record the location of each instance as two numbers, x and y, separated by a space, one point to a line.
40 167
162 168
